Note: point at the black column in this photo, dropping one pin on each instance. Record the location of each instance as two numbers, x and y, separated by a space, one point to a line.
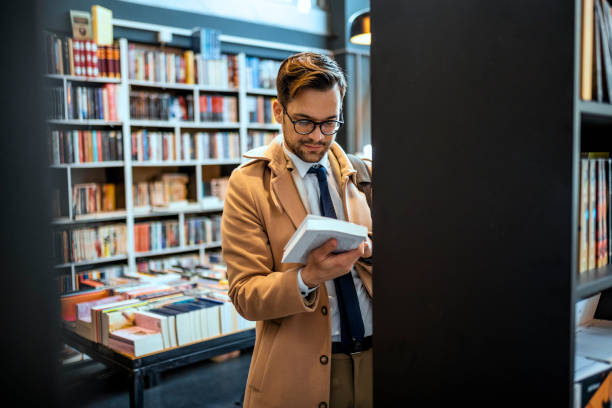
472 133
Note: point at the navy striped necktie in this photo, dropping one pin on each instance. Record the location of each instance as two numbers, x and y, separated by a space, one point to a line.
351 322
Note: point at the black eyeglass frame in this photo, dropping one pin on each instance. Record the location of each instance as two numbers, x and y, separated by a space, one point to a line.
314 124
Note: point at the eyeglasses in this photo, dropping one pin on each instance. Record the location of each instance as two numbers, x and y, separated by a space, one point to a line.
307 126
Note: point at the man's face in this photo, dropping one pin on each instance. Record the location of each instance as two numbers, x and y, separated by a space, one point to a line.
315 105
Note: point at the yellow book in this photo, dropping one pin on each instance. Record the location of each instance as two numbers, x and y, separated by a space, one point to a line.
102 21
189 67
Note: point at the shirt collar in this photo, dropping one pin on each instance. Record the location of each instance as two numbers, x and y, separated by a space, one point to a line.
302 166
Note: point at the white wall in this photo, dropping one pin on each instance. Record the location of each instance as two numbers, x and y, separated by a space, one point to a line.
279 13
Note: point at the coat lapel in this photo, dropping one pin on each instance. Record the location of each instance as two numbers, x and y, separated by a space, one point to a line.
284 192
288 196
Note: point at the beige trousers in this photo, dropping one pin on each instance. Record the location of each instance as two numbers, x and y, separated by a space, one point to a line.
351 380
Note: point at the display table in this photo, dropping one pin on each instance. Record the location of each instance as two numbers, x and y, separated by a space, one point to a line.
153 364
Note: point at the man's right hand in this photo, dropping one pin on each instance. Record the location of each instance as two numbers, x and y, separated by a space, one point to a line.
322 265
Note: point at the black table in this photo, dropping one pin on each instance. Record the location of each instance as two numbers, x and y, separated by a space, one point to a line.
153 364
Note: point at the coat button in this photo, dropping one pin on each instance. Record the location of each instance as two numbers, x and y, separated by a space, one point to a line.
323 405
324 310
323 360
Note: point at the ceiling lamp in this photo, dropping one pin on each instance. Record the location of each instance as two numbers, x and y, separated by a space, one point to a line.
360 28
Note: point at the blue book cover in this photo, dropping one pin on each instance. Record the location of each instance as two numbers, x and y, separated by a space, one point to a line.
145 145
94 142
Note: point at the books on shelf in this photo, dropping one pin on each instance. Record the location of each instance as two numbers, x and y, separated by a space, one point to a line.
54 97
160 106
92 198
158 146
315 230
215 187
218 145
201 230
169 188
172 65
594 229
85 146
156 235
91 243
81 57
178 66
259 109
167 147
218 108
111 275
92 102
221 73
261 73
257 139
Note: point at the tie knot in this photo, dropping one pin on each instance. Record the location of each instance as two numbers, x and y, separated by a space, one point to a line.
319 171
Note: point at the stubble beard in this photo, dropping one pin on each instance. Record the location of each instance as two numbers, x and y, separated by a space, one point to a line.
298 148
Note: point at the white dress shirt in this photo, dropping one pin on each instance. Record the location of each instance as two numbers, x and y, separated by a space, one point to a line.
308 187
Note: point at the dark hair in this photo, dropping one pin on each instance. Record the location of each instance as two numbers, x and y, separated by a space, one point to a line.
308 70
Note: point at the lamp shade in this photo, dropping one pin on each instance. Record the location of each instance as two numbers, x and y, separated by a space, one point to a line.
360 28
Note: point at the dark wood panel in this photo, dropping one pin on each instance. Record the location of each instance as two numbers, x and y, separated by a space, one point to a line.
473 146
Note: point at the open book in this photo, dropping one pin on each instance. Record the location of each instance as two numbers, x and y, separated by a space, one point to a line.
314 231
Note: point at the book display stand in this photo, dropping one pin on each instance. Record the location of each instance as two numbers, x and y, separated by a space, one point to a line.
151 365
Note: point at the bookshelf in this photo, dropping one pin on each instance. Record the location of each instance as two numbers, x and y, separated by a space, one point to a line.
127 170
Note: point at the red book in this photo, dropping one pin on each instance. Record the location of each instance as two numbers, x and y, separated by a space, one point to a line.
76 55
94 59
116 61
88 60
134 147
102 61
108 61
99 142
217 107
112 110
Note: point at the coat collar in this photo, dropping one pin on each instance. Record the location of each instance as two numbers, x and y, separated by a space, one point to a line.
286 196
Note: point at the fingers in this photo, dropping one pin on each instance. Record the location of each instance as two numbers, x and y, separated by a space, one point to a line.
349 257
325 249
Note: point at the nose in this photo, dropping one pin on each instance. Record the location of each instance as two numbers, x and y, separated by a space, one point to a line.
316 134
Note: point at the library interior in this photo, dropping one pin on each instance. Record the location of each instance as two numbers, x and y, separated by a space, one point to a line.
190 203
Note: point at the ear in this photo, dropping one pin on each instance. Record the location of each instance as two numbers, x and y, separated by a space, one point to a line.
277 109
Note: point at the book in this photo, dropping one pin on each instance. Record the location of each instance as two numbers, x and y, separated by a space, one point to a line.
594 340
315 230
80 22
592 383
592 216
155 322
70 300
102 25
601 8
136 340
583 214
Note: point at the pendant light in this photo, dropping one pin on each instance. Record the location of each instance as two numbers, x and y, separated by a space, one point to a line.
360 27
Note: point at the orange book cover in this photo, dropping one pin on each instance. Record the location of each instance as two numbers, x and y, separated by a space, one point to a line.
69 302
99 144
116 62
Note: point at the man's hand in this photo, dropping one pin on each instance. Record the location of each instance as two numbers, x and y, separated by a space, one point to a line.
322 265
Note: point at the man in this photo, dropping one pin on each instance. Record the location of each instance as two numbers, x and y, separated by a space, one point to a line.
301 309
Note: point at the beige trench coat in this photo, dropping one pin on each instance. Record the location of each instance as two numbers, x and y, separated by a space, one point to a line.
290 367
